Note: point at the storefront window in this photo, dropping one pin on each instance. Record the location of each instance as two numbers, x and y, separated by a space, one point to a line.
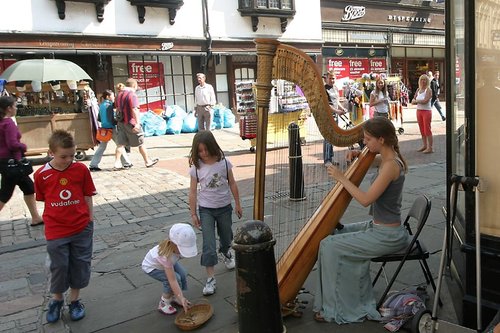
221 80
163 80
418 52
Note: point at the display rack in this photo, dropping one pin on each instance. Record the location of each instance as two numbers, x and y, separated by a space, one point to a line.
245 98
289 100
291 108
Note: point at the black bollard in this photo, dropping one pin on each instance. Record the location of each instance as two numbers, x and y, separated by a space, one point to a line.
295 163
259 308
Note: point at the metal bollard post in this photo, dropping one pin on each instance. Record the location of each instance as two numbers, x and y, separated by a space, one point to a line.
259 308
295 163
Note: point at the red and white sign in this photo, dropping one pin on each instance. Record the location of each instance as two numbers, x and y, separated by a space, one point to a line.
6 63
353 68
149 76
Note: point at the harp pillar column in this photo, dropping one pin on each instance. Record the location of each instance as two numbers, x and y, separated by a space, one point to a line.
257 295
266 49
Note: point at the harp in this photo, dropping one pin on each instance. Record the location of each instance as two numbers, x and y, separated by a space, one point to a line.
279 61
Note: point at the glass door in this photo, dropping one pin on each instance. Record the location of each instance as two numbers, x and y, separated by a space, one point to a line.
416 67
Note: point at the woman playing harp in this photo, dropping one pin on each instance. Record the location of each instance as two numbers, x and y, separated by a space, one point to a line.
344 290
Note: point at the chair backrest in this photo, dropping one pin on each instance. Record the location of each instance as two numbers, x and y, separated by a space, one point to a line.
420 212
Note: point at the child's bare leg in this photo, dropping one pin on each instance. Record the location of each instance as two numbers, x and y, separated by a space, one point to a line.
58 296
74 294
210 271
31 204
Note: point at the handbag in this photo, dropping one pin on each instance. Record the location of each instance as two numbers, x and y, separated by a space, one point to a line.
104 134
15 168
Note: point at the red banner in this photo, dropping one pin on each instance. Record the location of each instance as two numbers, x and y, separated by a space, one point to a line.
6 63
149 75
353 68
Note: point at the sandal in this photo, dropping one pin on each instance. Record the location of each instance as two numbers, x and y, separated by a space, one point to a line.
422 149
153 162
319 318
428 151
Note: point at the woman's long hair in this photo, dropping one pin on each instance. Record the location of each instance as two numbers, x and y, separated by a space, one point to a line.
421 79
166 248
383 90
381 127
208 139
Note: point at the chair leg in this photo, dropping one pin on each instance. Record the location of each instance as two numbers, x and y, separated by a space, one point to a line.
378 274
428 278
389 285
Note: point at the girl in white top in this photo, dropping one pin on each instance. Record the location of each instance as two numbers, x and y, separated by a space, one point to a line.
162 264
422 99
379 99
213 172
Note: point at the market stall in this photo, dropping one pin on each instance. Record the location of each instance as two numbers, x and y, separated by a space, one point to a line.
360 109
46 104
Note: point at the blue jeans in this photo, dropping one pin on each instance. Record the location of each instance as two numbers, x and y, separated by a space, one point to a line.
327 151
180 274
212 219
438 107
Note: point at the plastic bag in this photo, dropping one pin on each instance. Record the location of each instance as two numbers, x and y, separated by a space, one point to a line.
229 118
190 124
174 125
152 124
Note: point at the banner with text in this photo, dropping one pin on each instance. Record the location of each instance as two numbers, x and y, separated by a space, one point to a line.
150 77
353 68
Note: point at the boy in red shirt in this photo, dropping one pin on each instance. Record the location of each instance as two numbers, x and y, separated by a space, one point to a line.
67 188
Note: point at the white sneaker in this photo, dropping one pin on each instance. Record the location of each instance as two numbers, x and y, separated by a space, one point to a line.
209 287
165 307
228 259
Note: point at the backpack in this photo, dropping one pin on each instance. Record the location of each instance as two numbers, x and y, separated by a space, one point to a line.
400 306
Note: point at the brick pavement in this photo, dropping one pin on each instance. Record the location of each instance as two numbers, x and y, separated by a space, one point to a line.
132 204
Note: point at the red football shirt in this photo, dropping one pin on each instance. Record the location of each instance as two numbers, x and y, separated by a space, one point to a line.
66 213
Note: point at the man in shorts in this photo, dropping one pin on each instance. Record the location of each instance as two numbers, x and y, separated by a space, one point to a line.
129 129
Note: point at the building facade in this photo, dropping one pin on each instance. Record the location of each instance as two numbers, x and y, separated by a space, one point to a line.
403 38
162 43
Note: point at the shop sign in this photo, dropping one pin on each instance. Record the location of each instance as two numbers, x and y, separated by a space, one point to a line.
353 68
150 78
166 46
403 18
353 13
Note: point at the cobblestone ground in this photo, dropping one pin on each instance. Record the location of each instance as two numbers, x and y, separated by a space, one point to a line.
133 209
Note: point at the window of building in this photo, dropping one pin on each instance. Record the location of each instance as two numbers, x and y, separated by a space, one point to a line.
162 79
221 80
334 36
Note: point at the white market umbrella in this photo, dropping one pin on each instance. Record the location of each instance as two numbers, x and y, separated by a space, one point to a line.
44 70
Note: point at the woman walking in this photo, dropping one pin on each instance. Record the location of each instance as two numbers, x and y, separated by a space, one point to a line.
11 147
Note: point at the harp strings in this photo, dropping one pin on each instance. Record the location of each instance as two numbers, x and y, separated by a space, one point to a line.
287 217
